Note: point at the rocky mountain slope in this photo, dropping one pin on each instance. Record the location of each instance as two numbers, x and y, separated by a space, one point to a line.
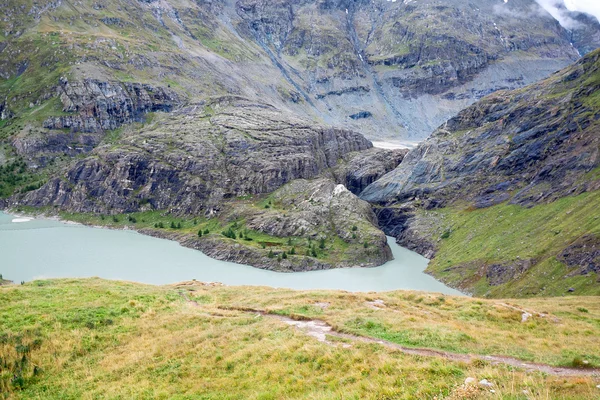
191 108
388 69
506 193
266 177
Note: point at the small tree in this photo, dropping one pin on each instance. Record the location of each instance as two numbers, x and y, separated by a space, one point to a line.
314 253
179 225
206 231
271 255
293 251
173 226
366 245
354 228
200 233
284 255
161 225
289 241
322 244
115 218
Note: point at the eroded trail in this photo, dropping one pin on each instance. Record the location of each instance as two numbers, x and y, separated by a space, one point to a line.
322 331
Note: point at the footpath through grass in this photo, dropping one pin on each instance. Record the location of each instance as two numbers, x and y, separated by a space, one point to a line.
72 339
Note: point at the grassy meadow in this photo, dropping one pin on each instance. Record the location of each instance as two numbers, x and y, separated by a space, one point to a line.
97 339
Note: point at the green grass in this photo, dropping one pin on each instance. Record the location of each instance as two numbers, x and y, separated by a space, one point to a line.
510 233
90 338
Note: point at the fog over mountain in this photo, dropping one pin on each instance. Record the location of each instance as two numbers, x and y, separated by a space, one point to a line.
560 9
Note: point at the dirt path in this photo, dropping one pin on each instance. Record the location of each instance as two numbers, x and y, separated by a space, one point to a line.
320 330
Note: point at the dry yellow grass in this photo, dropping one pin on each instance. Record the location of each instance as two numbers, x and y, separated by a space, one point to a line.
100 339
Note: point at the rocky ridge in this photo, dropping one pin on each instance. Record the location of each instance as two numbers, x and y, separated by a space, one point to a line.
529 148
205 159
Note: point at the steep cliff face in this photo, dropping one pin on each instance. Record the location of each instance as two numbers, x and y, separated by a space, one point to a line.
388 69
507 161
192 161
102 106
376 64
247 168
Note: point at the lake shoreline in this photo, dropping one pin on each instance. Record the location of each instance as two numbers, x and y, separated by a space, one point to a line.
212 246
167 261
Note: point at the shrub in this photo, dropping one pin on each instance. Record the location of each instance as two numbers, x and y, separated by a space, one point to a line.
354 228
322 244
229 234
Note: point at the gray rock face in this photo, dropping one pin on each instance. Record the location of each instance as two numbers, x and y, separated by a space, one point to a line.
99 106
392 70
408 65
358 170
5 113
193 161
583 256
527 146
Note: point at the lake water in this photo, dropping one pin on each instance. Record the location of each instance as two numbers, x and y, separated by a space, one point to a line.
40 249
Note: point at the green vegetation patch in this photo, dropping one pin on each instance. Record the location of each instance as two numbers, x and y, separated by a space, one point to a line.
513 235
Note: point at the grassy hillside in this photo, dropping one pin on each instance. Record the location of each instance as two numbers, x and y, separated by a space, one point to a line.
72 339
508 234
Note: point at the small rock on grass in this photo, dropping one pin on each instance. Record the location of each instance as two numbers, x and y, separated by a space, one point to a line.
485 383
470 381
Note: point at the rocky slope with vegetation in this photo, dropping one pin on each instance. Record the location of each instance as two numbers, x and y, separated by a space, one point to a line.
505 195
268 186
94 338
202 110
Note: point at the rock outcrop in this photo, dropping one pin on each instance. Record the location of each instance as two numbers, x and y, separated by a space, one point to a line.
97 106
533 147
527 146
193 161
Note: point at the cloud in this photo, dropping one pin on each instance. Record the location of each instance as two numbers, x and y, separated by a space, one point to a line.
558 10
588 6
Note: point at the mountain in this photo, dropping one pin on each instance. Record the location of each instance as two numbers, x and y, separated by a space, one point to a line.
221 114
388 69
505 194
